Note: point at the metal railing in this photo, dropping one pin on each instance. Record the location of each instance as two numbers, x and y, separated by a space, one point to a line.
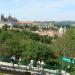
24 68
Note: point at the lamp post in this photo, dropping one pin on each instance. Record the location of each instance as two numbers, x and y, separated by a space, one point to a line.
64 55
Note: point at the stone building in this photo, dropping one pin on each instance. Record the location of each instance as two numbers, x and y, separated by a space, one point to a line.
10 21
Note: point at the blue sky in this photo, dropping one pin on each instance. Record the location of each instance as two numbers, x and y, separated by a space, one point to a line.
39 9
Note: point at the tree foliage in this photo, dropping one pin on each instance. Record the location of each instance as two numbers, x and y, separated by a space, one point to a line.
65 45
25 44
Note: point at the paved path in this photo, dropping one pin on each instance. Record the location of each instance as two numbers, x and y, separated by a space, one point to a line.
23 69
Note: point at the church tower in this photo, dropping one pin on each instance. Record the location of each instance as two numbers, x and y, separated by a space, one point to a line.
2 17
61 31
9 17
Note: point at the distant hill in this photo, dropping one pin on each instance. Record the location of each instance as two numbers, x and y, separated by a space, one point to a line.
65 22
57 22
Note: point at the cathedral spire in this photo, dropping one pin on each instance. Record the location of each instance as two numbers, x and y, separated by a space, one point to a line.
9 17
2 17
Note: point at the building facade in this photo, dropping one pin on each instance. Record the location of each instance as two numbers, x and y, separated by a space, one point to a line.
10 21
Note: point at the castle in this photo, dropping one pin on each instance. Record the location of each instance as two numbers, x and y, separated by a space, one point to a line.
10 21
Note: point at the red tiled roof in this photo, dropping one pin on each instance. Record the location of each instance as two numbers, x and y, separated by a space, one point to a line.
25 22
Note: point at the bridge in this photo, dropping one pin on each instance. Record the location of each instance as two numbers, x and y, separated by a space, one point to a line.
32 70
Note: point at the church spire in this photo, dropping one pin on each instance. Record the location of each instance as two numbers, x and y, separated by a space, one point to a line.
9 17
2 17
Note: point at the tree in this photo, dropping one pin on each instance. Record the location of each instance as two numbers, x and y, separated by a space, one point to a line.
46 39
34 28
25 44
26 26
5 27
65 44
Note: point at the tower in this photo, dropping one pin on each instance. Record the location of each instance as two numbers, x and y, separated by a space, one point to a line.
61 31
2 17
64 29
9 17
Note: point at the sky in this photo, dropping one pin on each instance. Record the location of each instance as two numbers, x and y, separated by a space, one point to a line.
44 10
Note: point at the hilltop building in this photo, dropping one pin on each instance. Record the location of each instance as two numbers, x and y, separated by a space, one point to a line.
10 21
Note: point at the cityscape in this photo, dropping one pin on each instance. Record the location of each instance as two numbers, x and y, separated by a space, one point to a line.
37 37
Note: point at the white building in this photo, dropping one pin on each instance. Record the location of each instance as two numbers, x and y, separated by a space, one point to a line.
62 30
